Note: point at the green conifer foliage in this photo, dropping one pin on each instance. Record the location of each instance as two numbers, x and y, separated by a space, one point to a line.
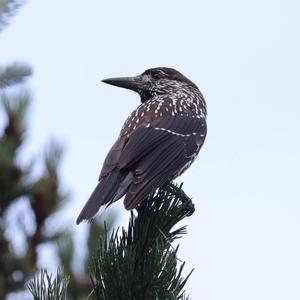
140 262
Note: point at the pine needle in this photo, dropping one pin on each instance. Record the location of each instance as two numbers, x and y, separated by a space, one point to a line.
141 262
44 287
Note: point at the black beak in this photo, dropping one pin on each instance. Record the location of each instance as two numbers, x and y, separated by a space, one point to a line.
132 83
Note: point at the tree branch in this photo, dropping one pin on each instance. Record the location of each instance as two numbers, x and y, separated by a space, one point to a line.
14 74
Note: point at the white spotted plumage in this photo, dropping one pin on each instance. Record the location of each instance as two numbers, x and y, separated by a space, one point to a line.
177 99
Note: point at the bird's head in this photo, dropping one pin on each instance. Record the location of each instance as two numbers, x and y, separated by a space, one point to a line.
153 82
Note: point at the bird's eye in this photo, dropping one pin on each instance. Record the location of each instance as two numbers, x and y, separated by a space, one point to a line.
156 75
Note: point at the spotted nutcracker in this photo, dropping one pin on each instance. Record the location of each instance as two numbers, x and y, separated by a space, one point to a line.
158 142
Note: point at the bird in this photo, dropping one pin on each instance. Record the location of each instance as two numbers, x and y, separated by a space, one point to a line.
159 140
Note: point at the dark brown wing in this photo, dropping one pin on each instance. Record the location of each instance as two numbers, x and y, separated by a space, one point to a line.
138 145
146 138
113 156
157 153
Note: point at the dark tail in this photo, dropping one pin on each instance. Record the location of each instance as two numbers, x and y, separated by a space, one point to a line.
101 196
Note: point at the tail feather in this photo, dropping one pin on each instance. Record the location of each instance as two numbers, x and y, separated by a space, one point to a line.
102 195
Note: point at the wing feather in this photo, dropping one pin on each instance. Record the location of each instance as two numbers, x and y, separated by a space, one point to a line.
145 139
148 179
181 138
154 154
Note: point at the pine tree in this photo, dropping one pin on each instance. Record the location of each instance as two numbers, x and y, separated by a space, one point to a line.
17 184
43 193
140 263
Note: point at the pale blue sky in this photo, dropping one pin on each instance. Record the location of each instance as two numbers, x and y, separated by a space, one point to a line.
243 240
